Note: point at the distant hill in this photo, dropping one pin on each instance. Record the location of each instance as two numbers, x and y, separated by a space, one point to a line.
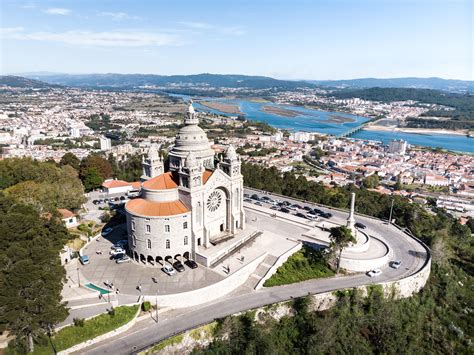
141 80
415 83
21 82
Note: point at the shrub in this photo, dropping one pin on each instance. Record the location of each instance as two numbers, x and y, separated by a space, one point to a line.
146 306
78 322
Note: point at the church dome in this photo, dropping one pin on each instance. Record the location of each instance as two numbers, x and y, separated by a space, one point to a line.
191 138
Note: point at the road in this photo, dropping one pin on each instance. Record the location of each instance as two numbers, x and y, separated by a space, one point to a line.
147 333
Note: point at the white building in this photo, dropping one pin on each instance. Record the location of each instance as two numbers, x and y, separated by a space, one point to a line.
105 143
397 146
193 205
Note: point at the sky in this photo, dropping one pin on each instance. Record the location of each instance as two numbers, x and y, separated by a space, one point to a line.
292 39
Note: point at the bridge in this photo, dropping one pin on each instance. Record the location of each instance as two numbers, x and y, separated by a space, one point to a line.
353 130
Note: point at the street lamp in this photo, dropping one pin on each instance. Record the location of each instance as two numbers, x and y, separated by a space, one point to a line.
78 279
156 305
391 211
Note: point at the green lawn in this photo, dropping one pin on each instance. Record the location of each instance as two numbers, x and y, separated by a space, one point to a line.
303 265
72 335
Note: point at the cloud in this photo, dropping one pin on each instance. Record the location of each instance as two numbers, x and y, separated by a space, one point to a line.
234 31
197 25
58 11
100 39
118 16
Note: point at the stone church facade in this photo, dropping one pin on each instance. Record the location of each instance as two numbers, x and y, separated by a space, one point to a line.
196 202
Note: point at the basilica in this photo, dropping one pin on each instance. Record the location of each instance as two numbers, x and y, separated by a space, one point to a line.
191 205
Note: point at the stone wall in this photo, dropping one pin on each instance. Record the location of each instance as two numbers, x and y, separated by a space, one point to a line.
211 292
102 337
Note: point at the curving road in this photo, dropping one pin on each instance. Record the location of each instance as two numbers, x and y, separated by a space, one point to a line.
146 333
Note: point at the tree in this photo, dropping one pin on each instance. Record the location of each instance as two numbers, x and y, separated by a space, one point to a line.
43 185
371 182
70 159
340 238
92 179
31 274
97 162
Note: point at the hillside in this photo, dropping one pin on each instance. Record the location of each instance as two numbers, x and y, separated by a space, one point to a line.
22 82
415 83
175 81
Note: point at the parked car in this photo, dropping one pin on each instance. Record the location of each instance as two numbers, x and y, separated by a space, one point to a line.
123 259
248 200
285 210
168 269
301 215
318 211
258 203
298 207
311 216
255 197
374 273
246 195
360 225
95 202
307 208
117 256
84 259
122 198
106 231
191 264
178 266
396 264
117 251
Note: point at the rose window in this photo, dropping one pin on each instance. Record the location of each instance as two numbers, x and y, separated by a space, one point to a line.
214 201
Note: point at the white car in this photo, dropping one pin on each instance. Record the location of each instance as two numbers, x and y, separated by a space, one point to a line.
107 231
123 259
396 264
168 269
374 272
116 251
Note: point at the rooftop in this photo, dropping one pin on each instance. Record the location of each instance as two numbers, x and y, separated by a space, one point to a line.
143 207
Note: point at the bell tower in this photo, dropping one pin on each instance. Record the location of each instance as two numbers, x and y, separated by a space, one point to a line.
152 164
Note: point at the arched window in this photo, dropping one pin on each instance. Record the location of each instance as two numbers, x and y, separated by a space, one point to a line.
133 225
148 243
134 240
167 228
148 228
185 225
185 240
168 244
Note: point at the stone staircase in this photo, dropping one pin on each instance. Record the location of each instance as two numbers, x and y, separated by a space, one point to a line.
261 271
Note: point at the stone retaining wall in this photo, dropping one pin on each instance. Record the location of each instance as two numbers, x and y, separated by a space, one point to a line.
105 336
211 292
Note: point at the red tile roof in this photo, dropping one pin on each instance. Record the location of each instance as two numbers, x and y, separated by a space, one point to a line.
65 213
205 176
115 183
143 207
164 181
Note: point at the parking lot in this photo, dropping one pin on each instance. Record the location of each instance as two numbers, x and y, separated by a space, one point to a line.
127 276
301 210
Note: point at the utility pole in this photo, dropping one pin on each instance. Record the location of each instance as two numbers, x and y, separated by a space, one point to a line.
391 211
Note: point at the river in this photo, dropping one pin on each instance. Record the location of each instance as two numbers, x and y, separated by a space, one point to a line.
321 121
